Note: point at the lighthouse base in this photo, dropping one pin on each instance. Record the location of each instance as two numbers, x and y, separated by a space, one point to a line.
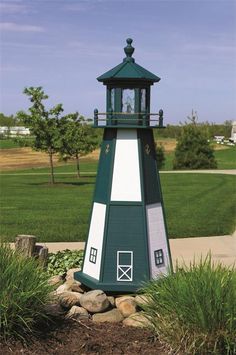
127 241
108 287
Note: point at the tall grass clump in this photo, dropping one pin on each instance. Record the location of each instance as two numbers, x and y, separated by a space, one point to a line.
193 311
24 290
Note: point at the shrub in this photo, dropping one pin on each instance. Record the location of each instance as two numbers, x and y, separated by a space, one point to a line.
193 150
60 262
24 290
160 156
194 310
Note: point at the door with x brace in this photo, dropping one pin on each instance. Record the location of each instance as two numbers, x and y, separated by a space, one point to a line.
124 266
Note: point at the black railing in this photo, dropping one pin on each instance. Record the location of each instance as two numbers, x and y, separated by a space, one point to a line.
140 119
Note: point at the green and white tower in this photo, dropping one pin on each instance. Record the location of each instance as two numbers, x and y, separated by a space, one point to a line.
127 240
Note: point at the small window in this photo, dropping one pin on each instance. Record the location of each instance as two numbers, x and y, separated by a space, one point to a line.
93 255
159 257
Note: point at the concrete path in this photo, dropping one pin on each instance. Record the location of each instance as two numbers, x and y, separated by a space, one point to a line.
210 171
93 173
222 248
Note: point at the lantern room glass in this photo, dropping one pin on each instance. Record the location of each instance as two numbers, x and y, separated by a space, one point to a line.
128 101
143 101
113 99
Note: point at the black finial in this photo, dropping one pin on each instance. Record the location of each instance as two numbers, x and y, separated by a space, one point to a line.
129 50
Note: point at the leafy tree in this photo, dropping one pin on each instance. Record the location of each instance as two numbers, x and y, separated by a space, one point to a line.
78 138
7 121
43 124
193 150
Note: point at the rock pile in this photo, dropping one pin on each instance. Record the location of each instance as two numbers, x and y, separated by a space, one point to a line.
74 301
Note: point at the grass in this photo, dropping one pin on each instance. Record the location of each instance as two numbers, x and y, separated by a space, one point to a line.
199 204
24 290
196 205
8 144
193 310
225 159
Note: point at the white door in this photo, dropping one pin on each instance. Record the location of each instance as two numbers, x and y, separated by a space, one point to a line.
124 266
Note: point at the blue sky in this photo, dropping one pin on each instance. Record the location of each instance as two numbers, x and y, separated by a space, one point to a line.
65 45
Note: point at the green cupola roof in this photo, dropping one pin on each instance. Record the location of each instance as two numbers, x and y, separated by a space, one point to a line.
128 70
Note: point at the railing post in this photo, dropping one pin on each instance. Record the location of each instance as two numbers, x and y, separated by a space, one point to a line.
96 117
160 118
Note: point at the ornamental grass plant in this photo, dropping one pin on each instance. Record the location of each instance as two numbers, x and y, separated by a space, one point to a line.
24 290
194 309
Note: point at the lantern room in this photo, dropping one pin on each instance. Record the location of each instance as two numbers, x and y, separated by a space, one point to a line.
128 94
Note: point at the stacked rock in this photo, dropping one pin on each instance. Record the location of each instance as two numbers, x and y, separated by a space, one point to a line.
75 301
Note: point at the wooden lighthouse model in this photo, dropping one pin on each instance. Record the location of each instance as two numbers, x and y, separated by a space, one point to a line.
127 241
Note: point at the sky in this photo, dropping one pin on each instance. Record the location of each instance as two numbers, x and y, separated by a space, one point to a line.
64 45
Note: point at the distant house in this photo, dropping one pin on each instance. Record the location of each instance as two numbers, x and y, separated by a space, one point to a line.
14 131
232 139
219 139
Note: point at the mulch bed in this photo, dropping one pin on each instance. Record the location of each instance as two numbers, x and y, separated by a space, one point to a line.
88 338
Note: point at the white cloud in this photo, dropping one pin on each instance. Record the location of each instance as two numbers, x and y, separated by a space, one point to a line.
12 68
13 7
15 27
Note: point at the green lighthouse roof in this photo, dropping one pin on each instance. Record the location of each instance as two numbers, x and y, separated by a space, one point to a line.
128 69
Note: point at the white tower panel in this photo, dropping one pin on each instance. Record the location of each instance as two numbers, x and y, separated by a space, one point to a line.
92 262
157 240
126 184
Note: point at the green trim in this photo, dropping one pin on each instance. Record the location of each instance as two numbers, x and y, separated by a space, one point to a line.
113 287
125 203
127 126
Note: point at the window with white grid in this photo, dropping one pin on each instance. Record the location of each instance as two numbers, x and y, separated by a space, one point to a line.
93 255
159 257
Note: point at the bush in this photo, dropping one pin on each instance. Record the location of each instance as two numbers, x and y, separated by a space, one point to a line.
60 262
160 156
24 290
193 151
194 310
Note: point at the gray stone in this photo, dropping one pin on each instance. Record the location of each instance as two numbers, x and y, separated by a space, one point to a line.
122 298
70 273
137 320
62 288
73 285
69 299
95 301
54 280
127 307
113 316
77 313
111 300
141 300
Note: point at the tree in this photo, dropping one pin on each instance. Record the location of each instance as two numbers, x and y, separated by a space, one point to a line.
160 156
43 124
78 138
193 150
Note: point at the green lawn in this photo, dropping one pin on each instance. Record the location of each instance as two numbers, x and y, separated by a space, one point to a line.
226 159
196 204
8 144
